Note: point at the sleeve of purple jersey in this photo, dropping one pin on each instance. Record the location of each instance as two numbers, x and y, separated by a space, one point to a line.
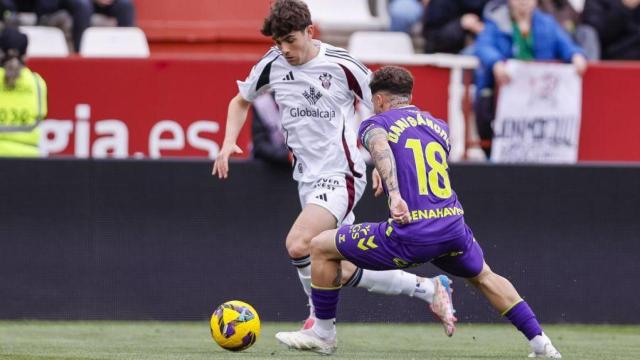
371 123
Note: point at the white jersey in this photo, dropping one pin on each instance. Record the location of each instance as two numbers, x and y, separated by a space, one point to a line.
315 100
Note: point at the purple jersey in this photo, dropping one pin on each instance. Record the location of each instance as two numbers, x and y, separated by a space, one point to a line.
420 144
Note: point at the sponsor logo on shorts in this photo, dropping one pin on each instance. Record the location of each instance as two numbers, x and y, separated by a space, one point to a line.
326 183
322 197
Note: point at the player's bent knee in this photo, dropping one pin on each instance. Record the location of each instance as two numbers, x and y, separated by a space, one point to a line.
296 252
323 244
297 249
298 243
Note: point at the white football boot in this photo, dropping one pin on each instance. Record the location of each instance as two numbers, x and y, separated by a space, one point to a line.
543 348
308 340
442 306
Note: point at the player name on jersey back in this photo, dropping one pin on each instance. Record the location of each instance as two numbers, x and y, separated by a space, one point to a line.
400 125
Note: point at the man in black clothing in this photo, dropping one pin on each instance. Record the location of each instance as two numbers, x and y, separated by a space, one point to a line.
449 25
80 11
618 25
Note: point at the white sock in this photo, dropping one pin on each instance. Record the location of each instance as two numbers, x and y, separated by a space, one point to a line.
394 282
325 328
304 274
425 290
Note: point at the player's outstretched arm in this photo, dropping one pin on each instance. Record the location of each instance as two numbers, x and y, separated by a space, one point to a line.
236 117
383 159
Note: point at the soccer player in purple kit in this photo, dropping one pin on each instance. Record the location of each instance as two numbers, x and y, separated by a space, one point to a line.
409 149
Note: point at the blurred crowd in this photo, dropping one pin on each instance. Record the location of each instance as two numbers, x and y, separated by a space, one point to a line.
604 29
72 16
572 31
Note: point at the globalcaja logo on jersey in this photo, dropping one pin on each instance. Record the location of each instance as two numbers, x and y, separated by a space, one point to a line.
312 112
325 79
312 95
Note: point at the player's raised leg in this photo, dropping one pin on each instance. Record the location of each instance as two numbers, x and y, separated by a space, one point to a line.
504 298
388 282
313 220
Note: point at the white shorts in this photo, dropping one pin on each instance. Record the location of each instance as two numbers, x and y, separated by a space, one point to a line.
338 193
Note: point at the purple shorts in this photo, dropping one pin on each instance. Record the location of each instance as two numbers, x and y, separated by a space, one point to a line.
367 246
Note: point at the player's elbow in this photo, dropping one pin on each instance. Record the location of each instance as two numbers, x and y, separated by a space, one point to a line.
239 102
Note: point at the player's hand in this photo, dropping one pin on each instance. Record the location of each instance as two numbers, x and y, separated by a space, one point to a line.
501 74
399 209
221 165
579 63
376 183
471 22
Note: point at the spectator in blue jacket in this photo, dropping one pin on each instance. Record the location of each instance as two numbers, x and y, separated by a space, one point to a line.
515 30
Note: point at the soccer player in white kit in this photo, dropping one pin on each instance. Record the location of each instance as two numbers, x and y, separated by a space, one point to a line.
316 87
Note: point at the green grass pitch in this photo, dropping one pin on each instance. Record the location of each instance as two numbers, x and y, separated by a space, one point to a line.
22 340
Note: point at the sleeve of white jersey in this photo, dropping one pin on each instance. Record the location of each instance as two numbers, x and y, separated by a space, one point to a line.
364 80
253 86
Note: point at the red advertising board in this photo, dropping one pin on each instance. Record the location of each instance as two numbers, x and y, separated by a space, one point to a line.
158 107
139 108
610 122
177 107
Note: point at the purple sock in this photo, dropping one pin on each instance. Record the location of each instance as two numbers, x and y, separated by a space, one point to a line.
523 318
325 302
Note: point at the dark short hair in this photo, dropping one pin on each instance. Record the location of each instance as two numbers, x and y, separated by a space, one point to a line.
286 16
394 79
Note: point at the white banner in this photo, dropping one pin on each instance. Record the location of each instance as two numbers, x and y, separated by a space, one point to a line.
538 114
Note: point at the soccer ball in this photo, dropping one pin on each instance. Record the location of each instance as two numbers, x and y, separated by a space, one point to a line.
235 325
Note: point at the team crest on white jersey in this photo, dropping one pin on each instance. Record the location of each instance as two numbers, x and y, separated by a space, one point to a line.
325 78
312 95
